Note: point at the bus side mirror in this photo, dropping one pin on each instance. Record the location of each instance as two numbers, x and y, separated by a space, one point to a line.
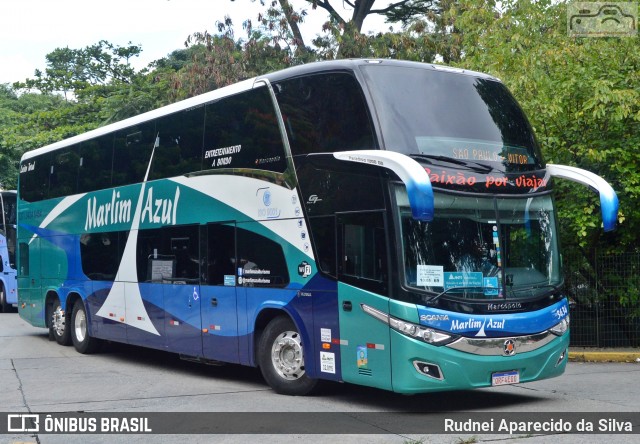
413 175
608 197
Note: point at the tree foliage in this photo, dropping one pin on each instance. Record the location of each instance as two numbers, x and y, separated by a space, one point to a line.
341 35
76 70
79 90
581 95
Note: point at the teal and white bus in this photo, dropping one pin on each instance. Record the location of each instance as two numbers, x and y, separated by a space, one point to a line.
375 222
8 209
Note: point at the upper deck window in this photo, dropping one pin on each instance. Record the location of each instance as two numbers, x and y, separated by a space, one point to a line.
324 113
437 113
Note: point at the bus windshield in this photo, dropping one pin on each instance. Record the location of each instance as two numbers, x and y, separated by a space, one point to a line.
481 247
459 116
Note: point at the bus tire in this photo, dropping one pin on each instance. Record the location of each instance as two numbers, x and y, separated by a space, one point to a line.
6 308
79 330
281 358
58 325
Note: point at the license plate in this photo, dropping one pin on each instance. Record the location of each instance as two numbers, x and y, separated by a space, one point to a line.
505 378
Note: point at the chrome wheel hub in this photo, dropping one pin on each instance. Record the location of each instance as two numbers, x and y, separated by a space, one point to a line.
80 325
287 357
58 321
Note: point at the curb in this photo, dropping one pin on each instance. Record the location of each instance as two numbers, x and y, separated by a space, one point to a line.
602 356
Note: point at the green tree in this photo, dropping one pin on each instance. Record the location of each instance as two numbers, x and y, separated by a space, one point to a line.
343 35
29 121
80 90
219 59
72 71
581 95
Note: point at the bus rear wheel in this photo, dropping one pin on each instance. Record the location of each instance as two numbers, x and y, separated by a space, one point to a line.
58 327
281 358
83 343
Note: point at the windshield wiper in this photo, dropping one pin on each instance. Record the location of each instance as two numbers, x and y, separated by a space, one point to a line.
551 288
433 300
474 166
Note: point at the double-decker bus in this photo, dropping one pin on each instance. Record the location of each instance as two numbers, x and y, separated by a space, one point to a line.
8 210
375 222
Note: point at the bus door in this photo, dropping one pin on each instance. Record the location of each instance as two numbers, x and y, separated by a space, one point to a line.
219 294
362 292
181 290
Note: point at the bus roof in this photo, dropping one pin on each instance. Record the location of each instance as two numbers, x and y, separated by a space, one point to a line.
352 64
245 85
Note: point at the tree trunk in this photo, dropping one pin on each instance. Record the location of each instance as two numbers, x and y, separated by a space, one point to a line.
360 12
293 24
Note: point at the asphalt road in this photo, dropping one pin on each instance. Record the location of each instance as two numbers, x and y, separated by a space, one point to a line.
39 376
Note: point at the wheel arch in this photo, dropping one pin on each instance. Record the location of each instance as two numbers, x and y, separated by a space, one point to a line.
66 301
49 300
269 313
265 316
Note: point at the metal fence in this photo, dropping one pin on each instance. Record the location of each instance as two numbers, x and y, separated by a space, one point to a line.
604 293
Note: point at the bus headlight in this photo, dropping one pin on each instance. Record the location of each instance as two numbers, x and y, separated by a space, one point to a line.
560 328
428 335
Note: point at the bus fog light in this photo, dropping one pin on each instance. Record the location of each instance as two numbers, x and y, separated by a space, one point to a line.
428 369
561 357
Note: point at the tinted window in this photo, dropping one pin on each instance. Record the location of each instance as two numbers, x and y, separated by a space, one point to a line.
179 149
34 178
323 234
9 229
101 254
260 261
242 131
363 254
132 153
221 254
325 113
169 255
64 172
328 192
96 158
424 111
9 208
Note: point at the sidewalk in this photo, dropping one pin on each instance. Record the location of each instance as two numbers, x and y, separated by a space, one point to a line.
591 354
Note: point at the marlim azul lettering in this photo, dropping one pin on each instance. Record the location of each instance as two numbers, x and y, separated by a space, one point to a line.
117 210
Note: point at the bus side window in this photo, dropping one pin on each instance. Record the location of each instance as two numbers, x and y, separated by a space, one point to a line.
34 178
95 164
363 252
323 230
132 153
101 253
179 149
325 113
221 254
261 261
64 173
178 245
242 131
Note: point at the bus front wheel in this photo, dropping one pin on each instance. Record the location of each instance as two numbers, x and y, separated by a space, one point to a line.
281 358
83 343
58 327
